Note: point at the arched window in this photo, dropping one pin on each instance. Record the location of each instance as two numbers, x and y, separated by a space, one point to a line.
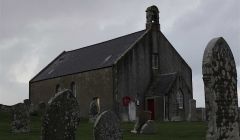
73 88
58 88
180 99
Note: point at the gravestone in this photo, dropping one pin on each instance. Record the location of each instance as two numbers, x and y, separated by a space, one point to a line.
94 109
200 114
148 128
20 118
220 81
143 117
192 110
41 108
107 127
61 118
27 102
132 111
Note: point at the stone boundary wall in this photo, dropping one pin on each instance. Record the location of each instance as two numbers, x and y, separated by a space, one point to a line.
5 108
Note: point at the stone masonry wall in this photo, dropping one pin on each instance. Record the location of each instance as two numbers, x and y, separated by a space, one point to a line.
96 83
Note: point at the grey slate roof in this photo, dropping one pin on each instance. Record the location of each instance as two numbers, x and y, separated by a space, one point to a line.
88 58
162 84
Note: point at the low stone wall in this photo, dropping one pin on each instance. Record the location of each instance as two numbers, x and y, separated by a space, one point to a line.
200 114
5 108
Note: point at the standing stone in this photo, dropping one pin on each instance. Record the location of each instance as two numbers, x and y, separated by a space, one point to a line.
132 111
220 81
200 114
192 110
107 127
61 118
94 109
41 108
20 122
143 117
149 127
27 102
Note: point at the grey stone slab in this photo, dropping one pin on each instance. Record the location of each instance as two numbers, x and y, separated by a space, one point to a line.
107 127
220 81
20 118
149 128
61 118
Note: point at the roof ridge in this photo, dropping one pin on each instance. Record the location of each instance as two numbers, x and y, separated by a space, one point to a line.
105 41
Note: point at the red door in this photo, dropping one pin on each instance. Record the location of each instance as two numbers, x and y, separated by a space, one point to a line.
150 103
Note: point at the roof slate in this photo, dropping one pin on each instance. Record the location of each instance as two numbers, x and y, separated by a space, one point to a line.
88 58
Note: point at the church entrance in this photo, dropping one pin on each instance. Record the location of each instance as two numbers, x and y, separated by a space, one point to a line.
151 107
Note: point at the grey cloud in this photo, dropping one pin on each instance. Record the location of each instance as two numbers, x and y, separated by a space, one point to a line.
35 32
192 31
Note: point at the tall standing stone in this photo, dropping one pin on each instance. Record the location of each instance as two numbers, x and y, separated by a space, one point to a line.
107 127
61 118
132 111
20 122
220 81
94 109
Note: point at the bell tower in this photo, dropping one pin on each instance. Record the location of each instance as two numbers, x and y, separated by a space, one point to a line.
152 16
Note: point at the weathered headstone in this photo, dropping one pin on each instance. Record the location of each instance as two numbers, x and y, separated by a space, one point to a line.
27 102
148 128
61 118
143 117
192 110
132 111
107 127
200 114
94 109
33 109
5 108
41 108
220 81
20 121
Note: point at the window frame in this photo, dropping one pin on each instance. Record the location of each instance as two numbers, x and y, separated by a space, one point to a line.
57 88
180 99
73 88
155 61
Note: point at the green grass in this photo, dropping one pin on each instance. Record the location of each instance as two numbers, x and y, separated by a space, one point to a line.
165 130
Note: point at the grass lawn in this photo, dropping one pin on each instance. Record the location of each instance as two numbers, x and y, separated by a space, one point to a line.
165 131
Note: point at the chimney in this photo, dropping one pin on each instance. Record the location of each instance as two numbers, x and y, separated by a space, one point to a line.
152 16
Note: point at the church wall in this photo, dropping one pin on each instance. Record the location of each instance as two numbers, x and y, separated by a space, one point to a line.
133 74
171 61
173 106
95 83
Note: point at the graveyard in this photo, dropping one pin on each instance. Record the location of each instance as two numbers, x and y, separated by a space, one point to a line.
60 119
166 130
133 87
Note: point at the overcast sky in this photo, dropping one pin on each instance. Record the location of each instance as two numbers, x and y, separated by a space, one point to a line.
33 32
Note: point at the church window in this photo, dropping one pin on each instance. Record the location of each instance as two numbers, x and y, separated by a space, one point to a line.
180 99
73 88
155 61
58 88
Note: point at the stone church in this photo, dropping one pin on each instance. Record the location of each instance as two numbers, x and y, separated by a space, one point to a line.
142 67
